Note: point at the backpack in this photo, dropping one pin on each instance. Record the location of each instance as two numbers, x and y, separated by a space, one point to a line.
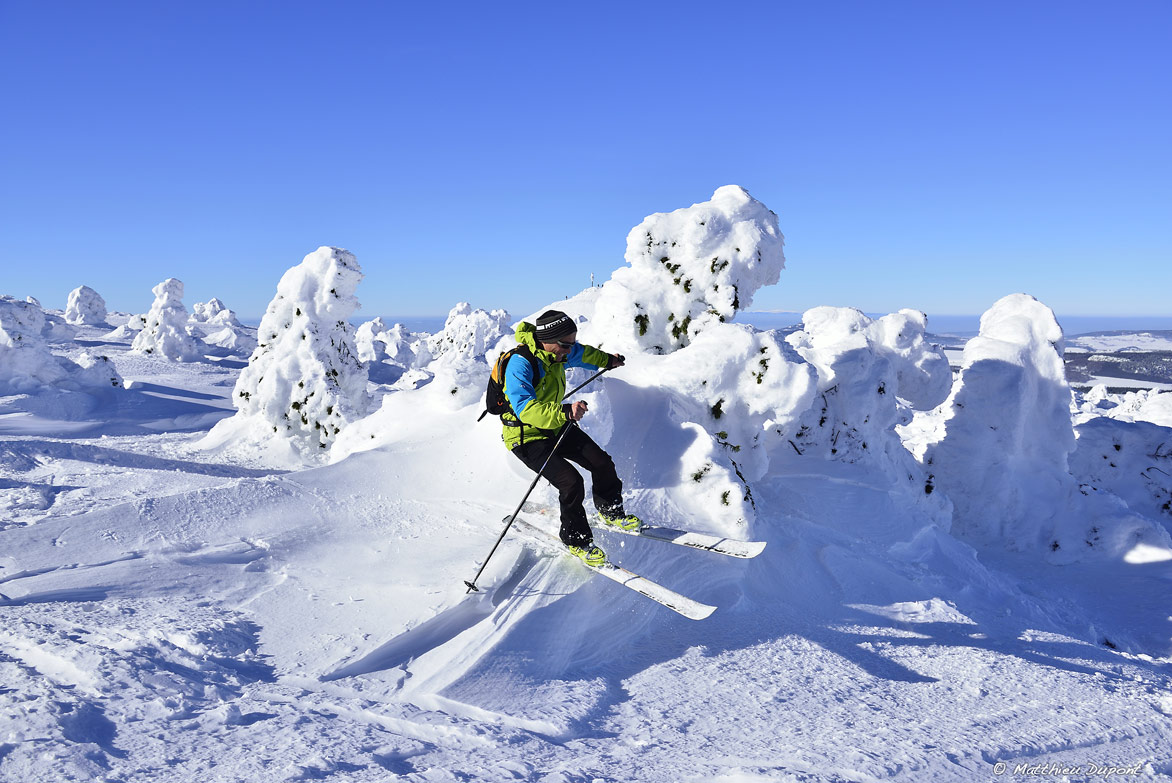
495 401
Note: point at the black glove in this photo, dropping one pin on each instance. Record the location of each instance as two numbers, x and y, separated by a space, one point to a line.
615 360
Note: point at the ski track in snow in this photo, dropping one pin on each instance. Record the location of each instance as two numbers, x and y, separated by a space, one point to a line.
174 615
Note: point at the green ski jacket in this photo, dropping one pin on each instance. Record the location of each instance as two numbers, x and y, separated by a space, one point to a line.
538 401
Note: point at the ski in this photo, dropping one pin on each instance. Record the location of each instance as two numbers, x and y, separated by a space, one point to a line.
693 610
709 543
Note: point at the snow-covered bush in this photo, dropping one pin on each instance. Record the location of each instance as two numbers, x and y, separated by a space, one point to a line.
871 374
165 334
1131 460
689 269
26 363
864 367
303 383
85 306
735 394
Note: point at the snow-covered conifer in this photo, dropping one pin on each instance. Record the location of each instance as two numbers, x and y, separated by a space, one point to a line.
370 341
1006 429
460 364
688 269
165 334
85 306
469 332
213 313
864 367
304 383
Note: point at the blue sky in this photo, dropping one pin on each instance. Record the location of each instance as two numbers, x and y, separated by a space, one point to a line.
935 155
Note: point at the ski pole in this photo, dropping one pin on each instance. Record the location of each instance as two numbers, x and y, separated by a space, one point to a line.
472 588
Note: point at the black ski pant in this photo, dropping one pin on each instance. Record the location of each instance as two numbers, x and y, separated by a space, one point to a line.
577 447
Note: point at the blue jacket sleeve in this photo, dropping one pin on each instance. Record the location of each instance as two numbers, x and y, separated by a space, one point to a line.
520 385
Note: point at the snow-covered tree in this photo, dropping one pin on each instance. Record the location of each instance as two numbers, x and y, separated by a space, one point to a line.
213 313
459 351
304 383
865 366
469 332
688 269
85 306
165 334
1003 444
370 341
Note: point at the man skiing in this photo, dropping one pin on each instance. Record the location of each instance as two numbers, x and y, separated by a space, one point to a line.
534 391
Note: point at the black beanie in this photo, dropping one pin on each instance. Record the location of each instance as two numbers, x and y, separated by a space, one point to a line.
553 325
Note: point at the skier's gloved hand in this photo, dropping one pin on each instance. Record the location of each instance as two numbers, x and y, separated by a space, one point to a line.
616 360
575 411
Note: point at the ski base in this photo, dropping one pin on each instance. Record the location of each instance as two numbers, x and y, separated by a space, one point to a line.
681 604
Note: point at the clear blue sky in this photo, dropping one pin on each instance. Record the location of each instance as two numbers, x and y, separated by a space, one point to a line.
935 155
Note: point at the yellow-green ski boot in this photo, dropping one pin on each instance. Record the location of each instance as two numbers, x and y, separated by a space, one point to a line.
627 522
590 555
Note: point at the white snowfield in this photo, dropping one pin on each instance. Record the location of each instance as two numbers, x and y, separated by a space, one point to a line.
174 612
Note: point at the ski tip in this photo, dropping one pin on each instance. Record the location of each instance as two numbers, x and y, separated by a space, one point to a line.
700 612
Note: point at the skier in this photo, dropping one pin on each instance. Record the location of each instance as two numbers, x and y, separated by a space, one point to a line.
535 391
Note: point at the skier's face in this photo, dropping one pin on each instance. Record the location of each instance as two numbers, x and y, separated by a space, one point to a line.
561 348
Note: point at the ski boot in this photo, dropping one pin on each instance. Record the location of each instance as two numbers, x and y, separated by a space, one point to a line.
590 555
627 522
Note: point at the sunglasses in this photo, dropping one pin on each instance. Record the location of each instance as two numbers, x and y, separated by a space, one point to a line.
566 345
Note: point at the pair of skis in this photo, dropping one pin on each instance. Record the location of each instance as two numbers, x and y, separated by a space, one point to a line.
681 604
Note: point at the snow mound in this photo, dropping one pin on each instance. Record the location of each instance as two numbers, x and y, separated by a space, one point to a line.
165 333
689 269
85 306
303 383
27 365
1131 460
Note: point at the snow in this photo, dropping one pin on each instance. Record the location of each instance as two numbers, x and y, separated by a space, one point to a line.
255 612
303 383
85 306
165 330
689 269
